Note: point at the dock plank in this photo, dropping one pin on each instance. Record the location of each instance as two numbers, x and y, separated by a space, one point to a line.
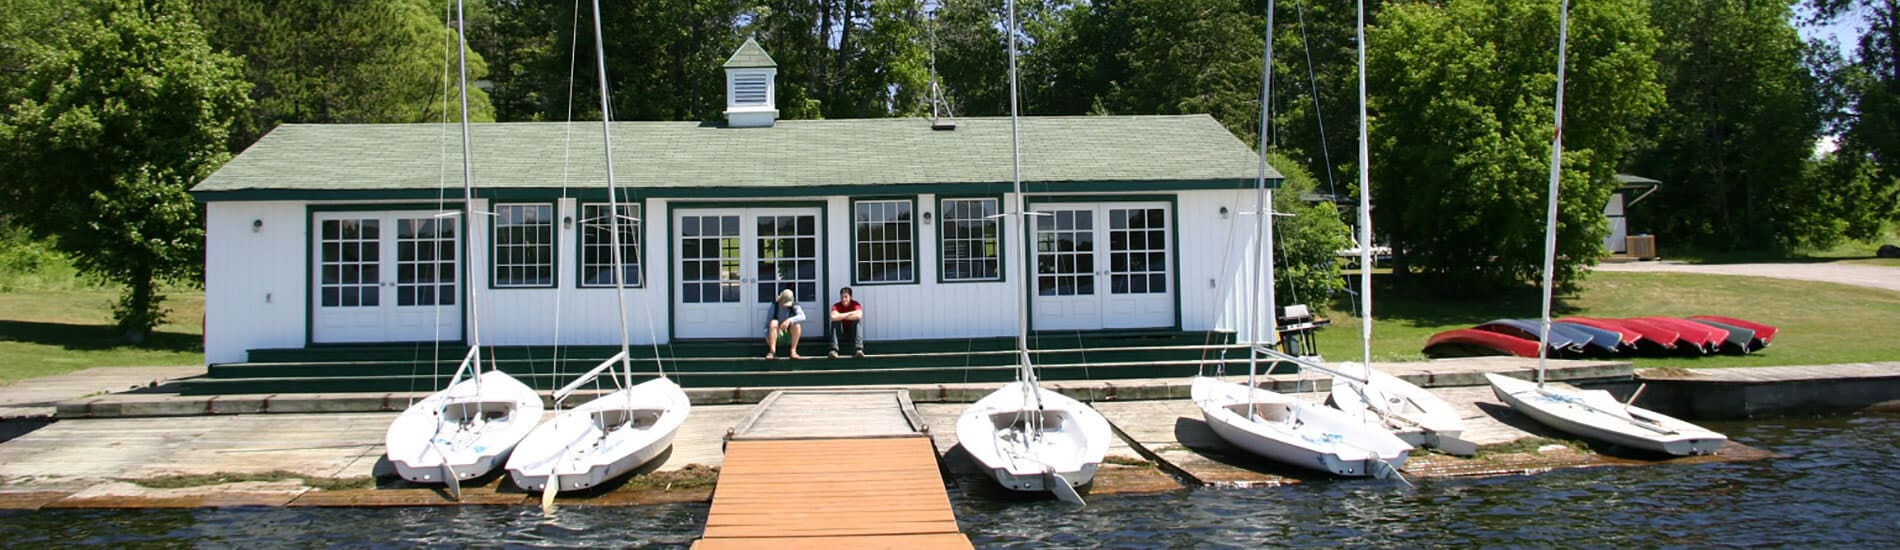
841 492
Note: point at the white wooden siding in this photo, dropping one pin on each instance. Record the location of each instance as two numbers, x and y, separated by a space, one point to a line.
255 286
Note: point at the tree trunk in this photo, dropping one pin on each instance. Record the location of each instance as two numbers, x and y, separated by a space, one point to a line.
135 314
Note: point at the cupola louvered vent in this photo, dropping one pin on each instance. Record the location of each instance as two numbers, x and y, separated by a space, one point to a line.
750 102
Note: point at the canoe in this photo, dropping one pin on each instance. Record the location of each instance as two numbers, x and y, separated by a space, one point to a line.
1764 334
1738 341
1707 337
1627 336
1602 342
1657 339
1562 340
1469 342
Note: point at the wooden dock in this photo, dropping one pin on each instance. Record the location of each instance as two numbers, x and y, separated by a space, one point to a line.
831 469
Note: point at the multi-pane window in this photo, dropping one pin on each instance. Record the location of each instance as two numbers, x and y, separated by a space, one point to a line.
597 248
1137 251
350 264
886 249
1065 253
524 245
970 240
425 262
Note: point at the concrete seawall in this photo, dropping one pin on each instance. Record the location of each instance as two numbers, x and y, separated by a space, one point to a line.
1723 394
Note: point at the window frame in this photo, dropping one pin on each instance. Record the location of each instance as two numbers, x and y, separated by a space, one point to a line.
915 220
1002 271
553 246
638 260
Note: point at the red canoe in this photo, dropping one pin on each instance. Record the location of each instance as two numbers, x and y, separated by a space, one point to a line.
1763 333
1467 342
1657 335
1629 337
1707 337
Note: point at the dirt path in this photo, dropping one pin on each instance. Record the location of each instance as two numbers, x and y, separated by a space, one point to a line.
1871 276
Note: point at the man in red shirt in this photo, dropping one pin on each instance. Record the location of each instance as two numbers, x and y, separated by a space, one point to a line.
845 316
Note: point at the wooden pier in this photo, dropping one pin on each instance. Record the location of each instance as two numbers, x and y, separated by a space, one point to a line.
831 469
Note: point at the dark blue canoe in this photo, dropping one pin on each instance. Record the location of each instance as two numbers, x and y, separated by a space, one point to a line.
1602 342
1562 340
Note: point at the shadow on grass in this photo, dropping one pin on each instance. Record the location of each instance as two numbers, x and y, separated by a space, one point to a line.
93 337
1422 302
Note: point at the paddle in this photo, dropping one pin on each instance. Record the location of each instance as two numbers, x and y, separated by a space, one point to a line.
1064 492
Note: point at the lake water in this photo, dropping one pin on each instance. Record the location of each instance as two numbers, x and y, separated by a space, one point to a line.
1835 486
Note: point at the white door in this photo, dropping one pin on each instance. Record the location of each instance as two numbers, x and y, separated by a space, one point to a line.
1103 265
385 277
734 262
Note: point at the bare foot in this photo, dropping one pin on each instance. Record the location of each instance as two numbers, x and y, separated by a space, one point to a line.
795 355
771 356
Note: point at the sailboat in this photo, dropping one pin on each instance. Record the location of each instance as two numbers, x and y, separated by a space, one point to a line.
1026 437
1275 425
468 428
1417 416
1592 414
618 432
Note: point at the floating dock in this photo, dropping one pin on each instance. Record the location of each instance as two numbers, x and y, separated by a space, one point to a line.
831 469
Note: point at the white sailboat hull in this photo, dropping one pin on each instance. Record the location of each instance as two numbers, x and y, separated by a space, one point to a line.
464 429
1070 446
1295 432
602 439
1594 414
1417 416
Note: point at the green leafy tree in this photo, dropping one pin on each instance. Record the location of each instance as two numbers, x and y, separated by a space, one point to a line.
1462 125
110 132
1305 242
1866 198
353 61
1743 113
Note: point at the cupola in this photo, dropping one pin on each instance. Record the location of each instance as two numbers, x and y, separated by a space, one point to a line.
751 101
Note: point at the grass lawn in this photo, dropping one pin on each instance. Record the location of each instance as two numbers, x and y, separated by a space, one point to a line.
1820 322
53 331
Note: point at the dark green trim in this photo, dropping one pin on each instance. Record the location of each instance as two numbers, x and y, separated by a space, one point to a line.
916 260
1002 239
310 260
672 285
528 194
554 248
579 240
1174 233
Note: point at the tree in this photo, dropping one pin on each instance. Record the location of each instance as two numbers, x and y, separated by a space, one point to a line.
1865 198
354 61
1462 124
1743 113
1306 241
110 133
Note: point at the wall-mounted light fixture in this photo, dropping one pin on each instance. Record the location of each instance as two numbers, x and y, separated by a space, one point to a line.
257 226
1223 212
567 222
926 218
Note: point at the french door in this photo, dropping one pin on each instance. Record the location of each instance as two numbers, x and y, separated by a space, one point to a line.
1102 265
385 277
732 263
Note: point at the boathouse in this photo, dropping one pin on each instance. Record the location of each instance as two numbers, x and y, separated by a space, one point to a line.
337 243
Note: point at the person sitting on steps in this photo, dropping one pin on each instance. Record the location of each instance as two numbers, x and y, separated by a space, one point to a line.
845 317
785 316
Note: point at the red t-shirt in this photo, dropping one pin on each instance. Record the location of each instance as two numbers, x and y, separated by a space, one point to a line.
841 308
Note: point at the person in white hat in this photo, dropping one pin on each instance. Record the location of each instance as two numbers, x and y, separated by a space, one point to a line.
785 316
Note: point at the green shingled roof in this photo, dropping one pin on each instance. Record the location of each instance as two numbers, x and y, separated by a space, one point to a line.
693 155
749 56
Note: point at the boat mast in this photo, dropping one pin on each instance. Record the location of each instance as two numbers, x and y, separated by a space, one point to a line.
1365 209
1263 215
468 192
1550 215
613 202
1017 213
